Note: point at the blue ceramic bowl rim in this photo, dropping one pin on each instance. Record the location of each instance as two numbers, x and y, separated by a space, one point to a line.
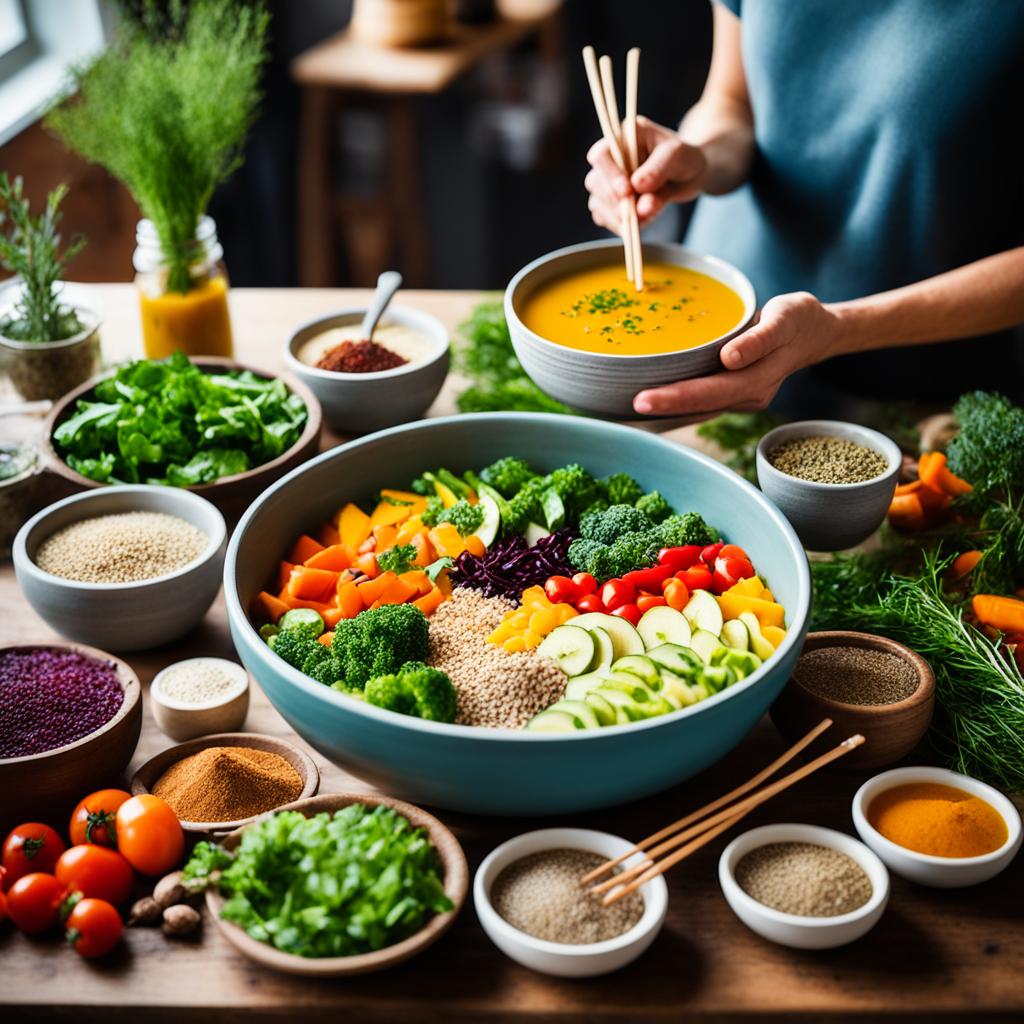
238 618
749 307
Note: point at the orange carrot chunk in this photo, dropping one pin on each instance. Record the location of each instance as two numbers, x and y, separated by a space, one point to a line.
305 548
312 584
1003 613
429 601
336 558
267 608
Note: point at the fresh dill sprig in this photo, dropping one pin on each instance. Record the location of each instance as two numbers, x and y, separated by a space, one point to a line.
166 108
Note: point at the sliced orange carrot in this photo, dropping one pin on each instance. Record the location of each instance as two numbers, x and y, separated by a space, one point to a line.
332 616
474 545
366 563
398 592
305 548
267 608
326 638
328 535
424 550
299 602
353 525
430 601
384 537
965 563
418 579
388 514
349 601
284 574
312 584
415 501
912 488
447 540
336 558
443 583
370 590
951 483
906 510
409 529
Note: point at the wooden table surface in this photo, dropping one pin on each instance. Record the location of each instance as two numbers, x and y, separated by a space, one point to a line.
935 953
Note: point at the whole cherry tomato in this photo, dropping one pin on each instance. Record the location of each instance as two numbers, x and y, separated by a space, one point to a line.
34 902
95 872
616 593
629 612
3 908
733 551
681 557
647 601
676 594
729 570
710 553
93 928
589 603
149 835
30 847
585 583
698 577
93 818
561 590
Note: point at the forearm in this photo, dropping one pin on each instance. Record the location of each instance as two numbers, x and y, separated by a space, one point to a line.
975 299
724 130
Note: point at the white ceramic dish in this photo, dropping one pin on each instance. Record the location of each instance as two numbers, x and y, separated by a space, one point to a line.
599 382
940 872
793 929
556 958
123 616
359 403
830 517
182 721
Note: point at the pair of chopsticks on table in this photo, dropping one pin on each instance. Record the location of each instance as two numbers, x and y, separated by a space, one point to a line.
705 824
622 141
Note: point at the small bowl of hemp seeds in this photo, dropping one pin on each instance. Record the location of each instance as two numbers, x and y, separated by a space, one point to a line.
804 886
833 481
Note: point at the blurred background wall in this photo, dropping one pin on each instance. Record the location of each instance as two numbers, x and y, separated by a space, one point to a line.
501 153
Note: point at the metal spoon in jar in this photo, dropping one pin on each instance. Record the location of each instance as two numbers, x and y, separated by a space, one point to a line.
387 284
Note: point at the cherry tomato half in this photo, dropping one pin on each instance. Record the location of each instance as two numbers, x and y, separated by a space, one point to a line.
93 818
647 601
589 603
30 847
698 577
34 901
561 590
93 928
616 593
585 583
681 557
629 612
676 594
710 553
149 835
96 872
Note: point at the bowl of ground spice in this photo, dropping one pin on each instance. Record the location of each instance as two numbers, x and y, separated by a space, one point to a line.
124 568
864 683
221 782
936 826
833 481
70 717
803 886
364 385
530 902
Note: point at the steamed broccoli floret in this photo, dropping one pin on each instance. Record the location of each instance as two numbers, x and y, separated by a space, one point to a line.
376 642
591 556
326 671
415 689
577 488
424 485
297 647
433 512
464 517
507 475
654 506
688 528
607 526
526 507
397 559
621 489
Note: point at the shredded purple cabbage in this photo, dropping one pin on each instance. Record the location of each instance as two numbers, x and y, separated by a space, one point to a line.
510 564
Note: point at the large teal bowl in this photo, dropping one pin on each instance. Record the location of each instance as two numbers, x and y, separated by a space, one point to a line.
491 771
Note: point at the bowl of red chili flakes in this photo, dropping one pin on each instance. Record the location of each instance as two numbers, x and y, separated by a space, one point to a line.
365 385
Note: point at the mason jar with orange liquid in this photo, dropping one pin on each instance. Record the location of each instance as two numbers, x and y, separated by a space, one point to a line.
183 295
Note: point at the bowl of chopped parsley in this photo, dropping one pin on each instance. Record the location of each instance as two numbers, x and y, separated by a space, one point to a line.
211 425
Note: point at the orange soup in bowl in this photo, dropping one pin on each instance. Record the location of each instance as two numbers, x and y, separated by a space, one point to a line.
598 310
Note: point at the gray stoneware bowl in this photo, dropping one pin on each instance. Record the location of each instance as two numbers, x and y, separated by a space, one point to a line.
123 616
359 403
830 517
598 382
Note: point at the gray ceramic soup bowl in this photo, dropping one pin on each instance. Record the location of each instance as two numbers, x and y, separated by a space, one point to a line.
123 616
599 382
359 403
830 517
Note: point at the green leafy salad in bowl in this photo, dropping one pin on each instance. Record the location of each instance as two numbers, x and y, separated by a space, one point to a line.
170 422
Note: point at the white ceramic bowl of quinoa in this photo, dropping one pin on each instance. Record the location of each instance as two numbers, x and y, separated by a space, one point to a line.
138 613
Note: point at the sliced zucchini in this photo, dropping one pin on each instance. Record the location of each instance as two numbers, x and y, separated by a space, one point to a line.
492 520
736 635
573 648
534 532
625 639
643 668
717 677
664 625
605 649
703 612
676 690
704 644
758 644
550 720
641 694
742 663
679 660
580 710
626 709
579 686
605 712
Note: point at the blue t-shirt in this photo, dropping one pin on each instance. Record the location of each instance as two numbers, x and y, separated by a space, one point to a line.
888 150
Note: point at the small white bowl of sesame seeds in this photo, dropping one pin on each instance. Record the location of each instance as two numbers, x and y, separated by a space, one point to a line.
199 696
122 568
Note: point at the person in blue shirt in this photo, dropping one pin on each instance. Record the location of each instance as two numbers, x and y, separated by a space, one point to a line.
860 162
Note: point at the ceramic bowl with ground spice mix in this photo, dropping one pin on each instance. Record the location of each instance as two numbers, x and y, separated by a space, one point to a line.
528 898
803 886
124 568
833 481
362 388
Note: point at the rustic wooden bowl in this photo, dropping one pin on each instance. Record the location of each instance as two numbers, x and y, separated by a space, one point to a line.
231 494
891 730
90 762
456 883
148 774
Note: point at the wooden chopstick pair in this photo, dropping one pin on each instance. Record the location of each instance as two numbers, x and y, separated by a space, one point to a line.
704 824
622 142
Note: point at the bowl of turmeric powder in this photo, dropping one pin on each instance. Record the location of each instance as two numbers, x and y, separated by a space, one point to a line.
937 827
